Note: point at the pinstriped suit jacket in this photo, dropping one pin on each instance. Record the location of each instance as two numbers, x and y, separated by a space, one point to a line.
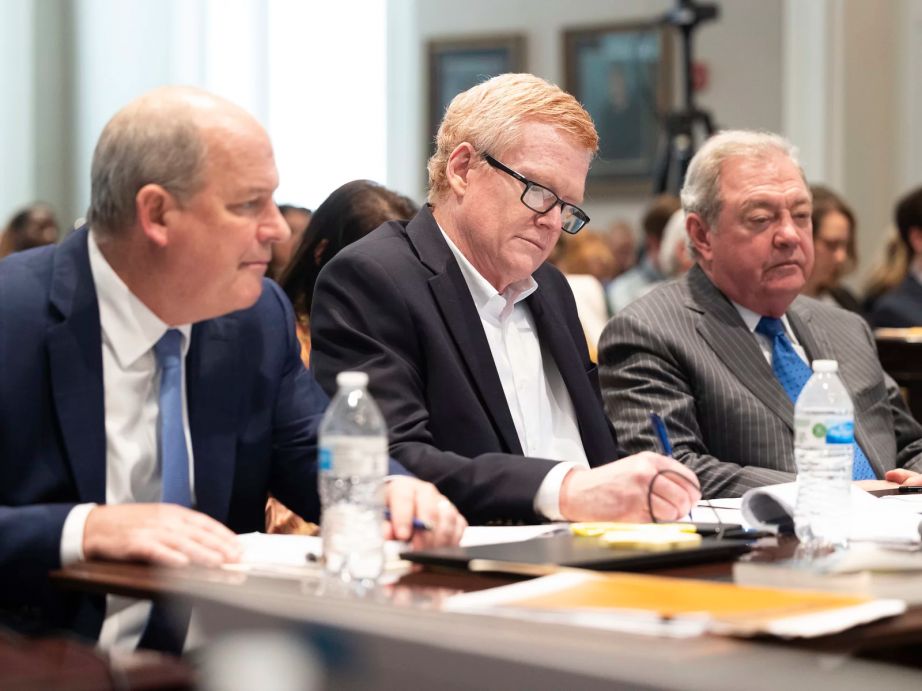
684 351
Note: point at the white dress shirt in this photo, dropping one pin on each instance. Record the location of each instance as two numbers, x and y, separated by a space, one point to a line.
765 343
131 383
541 408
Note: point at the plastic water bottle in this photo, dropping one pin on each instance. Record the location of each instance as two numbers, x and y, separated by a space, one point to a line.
824 434
353 466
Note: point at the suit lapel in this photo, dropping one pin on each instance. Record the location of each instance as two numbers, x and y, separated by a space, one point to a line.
553 335
457 307
75 367
212 369
725 332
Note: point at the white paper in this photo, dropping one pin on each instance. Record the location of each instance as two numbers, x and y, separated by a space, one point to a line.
492 535
872 520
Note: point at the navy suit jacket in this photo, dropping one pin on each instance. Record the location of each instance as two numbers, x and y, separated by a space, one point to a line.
900 307
395 305
253 414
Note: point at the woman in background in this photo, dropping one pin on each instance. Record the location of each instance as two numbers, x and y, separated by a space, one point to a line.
834 250
31 227
348 214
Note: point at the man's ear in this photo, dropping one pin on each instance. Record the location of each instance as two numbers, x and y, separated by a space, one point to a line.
699 234
459 165
152 204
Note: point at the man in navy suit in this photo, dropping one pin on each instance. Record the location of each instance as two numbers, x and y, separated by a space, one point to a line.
472 342
181 225
901 307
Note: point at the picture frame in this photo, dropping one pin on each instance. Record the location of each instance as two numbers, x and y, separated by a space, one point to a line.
457 64
623 75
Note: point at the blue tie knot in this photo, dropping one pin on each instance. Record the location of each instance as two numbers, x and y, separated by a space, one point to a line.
770 326
169 349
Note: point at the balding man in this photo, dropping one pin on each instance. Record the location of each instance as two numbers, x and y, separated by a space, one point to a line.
151 391
723 353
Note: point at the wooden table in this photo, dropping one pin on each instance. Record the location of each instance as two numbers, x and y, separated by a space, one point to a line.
404 621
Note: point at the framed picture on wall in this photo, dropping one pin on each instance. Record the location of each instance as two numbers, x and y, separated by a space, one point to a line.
457 64
622 74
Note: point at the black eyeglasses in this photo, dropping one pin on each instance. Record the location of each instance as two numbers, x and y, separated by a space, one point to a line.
541 200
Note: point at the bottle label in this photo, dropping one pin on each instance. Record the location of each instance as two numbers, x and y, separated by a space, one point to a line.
355 456
816 431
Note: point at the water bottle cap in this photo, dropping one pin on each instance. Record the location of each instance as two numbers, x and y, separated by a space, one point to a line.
352 380
825 366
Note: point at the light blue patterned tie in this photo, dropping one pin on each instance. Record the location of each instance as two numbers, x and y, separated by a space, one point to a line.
174 456
793 373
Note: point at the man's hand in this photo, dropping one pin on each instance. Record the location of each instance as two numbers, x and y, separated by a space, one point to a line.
157 533
901 476
407 497
618 491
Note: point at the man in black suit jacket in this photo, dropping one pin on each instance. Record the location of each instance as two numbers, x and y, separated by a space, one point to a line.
902 306
182 222
472 343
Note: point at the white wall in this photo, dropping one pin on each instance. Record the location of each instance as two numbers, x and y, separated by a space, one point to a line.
743 50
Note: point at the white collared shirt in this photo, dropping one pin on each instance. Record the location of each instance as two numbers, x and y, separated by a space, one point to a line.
131 384
765 343
541 408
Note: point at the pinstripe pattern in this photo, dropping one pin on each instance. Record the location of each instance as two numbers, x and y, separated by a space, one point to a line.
683 351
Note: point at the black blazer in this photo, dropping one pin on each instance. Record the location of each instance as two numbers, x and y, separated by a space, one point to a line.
253 416
395 305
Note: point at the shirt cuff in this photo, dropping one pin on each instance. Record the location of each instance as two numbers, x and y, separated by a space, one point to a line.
547 500
72 534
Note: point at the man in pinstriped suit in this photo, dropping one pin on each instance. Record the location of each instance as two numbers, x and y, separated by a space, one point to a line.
689 350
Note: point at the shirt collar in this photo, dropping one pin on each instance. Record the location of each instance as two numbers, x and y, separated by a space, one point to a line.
487 299
752 320
127 324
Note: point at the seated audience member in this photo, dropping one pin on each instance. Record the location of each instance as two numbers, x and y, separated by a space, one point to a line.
297 218
349 213
472 342
674 255
902 306
585 260
623 245
833 249
887 272
648 273
151 393
709 352
31 227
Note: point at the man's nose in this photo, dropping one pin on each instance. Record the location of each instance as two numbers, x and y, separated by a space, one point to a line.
274 228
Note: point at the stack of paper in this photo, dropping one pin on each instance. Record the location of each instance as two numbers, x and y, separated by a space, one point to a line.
872 519
674 607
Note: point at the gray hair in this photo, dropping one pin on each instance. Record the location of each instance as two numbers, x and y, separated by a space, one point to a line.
145 143
701 191
674 235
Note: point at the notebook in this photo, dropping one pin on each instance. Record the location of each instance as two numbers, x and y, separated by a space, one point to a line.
543 554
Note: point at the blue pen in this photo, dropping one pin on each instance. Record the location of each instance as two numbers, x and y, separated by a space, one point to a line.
418 523
660 428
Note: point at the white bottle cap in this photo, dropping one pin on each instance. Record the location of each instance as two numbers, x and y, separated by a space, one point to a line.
825 366
352 380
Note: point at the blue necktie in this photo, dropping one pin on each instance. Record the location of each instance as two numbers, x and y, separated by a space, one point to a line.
174 456
793 373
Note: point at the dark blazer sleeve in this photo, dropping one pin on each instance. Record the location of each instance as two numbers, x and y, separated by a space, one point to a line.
362 319
640 373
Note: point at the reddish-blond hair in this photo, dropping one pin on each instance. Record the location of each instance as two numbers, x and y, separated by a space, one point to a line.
490 117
